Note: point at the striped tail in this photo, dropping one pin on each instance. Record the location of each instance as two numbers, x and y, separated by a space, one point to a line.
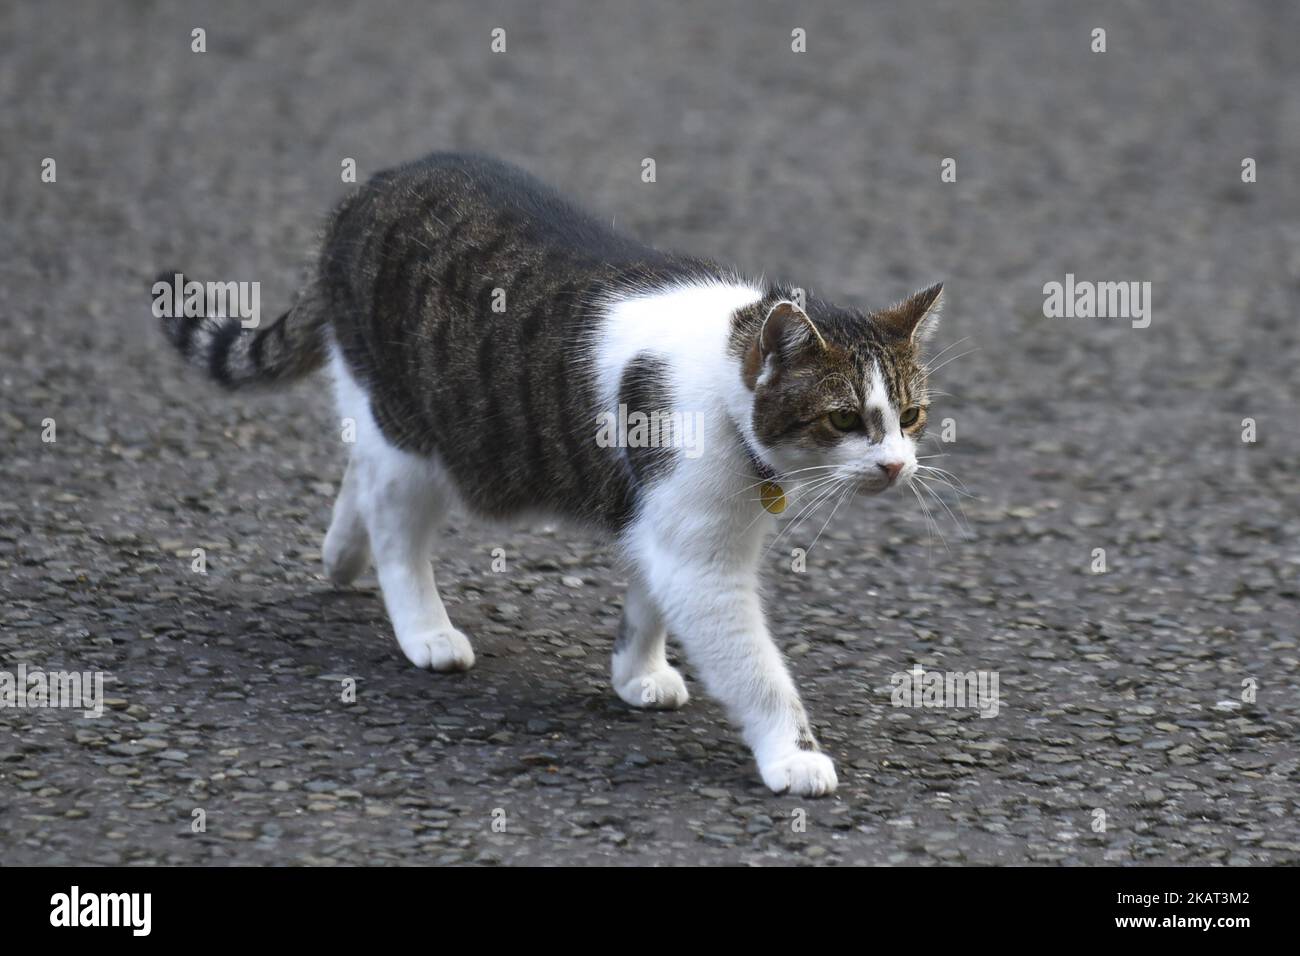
292 346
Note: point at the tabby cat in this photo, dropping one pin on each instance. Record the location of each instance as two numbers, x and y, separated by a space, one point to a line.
496 346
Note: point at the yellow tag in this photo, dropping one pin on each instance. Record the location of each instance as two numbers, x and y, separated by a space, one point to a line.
773 496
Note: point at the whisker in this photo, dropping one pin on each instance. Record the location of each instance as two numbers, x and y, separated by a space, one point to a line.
946 477
821 497
805 489
844 495
930 526
965 530
779 479
931 370
960 493
811 485
938 530
953 488
949 347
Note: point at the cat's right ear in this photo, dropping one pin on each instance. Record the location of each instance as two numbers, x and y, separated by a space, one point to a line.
786 330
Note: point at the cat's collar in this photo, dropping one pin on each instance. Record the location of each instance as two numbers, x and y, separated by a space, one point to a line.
770 493
761 468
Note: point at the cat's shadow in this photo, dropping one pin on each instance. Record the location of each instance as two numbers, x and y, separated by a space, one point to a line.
346 631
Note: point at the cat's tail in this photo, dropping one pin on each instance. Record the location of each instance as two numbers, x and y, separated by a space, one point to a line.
222 333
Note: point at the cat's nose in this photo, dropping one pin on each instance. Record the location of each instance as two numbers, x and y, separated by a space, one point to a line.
892 469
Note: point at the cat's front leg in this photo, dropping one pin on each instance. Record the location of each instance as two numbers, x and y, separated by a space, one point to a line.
715 612
640 670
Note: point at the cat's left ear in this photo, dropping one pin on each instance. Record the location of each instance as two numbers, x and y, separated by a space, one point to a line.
915 318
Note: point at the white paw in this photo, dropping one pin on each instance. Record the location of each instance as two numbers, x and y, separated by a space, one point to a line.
343 569
661 689
346 553
804 773
446 649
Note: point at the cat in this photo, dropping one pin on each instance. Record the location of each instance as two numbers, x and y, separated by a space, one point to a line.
479 329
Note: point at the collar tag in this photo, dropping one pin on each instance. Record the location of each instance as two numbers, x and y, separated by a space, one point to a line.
773 497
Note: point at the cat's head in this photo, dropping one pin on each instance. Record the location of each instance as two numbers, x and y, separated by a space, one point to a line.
836 392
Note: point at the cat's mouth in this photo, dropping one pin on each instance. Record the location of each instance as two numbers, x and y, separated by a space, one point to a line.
875 485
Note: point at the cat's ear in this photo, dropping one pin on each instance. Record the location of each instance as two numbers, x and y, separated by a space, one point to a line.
786 330
915 318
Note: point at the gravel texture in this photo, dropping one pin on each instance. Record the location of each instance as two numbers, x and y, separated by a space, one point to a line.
1120 691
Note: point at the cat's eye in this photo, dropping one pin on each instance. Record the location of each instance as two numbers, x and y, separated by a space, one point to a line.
909 416
845 420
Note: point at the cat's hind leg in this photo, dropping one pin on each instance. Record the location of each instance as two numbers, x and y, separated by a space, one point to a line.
642 675
347 545
393 500
403 498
